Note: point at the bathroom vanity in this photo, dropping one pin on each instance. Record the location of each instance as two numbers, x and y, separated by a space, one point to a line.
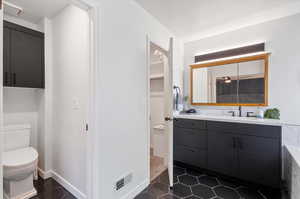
245 148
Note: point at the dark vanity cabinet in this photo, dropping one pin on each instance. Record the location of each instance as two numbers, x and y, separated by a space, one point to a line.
23 57
190 142
248 152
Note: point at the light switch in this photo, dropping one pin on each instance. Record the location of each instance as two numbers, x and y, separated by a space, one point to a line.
75 104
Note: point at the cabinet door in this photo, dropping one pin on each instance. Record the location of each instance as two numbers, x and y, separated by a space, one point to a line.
222 153
6 58
190 137
27 62
259 160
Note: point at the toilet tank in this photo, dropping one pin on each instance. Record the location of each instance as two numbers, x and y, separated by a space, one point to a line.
16 136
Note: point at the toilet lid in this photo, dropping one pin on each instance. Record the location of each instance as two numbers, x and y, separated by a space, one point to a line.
19 157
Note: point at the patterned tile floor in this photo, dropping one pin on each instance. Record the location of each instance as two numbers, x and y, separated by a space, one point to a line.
191 184
50 189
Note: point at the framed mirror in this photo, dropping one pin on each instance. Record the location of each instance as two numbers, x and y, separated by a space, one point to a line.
230 82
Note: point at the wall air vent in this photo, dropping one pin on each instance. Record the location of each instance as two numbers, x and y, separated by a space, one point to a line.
123 182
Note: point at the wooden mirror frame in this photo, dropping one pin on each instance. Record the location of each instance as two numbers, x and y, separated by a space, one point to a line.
206 64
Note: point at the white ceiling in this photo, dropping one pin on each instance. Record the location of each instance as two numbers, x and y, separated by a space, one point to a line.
185 18
35 10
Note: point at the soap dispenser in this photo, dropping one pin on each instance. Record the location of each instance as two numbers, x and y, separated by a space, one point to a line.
260 113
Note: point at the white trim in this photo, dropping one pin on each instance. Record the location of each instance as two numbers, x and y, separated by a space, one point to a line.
233 57
138 189
44 174
63 182
67 185
148 94
92 183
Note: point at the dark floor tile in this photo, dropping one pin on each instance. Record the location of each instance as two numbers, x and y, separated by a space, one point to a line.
194 172
188 180
203 191
181 190
50 189
274 194
208 180
226 193
178 171
229 183
175 179
248 193
169 196
193 197
145 196
158 189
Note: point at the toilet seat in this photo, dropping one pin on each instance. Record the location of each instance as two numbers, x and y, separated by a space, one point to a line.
20 157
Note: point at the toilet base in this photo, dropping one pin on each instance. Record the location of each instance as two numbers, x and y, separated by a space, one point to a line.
22 189
28 195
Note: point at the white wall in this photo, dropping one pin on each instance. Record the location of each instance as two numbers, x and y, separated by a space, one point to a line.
16 100
44 105
122 86
70 30
283 41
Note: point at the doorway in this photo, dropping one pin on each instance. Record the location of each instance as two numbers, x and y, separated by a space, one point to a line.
69 108
160 108
158 137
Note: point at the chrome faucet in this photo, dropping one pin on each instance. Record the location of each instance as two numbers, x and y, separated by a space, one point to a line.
240 111
232 113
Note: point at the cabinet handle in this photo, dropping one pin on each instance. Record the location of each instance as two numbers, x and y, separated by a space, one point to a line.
234 143
6 78
191 150
14 78
240 144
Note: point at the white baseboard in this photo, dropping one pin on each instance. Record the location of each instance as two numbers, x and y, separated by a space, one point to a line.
45 174
63 182
138 189
67 185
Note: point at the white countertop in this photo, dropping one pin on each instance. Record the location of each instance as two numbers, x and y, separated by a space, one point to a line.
248 120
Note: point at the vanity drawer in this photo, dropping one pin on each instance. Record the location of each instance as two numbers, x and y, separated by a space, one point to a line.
245 129
191 156
191 124
190 137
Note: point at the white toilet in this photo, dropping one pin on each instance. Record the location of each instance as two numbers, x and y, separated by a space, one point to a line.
19 163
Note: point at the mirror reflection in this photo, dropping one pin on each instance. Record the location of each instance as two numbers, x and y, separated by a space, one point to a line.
237 83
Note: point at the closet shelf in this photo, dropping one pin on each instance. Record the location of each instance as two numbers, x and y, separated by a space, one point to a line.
157 62
159 127
157 94
157 76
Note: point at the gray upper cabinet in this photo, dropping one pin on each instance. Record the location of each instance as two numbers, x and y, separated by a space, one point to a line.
23 57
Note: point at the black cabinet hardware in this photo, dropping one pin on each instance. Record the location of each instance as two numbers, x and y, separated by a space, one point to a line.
5 78
234 142
14 79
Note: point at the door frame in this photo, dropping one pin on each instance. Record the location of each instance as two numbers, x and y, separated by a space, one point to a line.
93 9
150 42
